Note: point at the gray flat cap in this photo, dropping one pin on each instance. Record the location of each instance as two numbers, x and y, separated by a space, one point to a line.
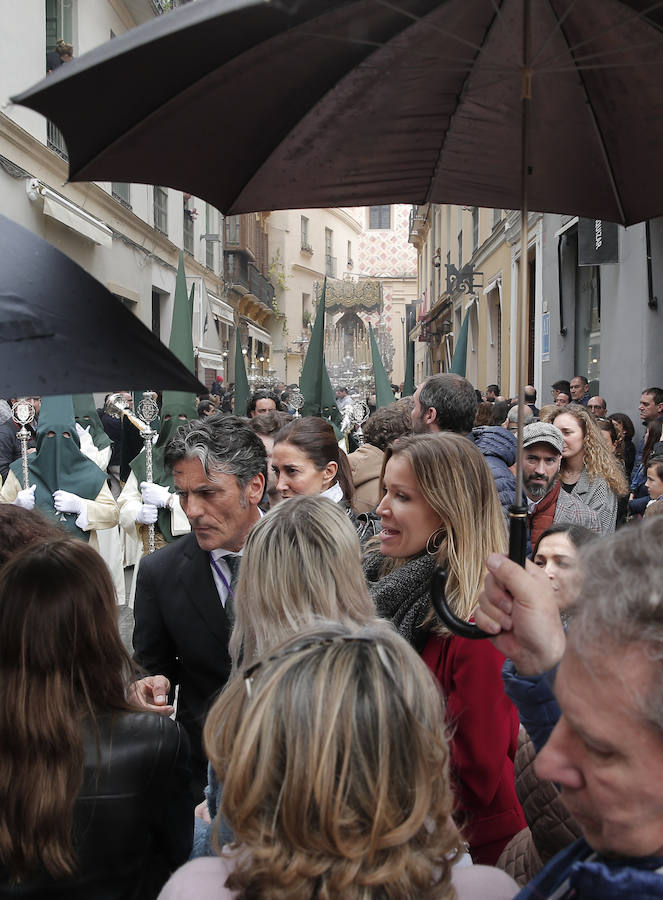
543 433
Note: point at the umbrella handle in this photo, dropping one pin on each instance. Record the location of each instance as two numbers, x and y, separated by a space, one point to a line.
517 552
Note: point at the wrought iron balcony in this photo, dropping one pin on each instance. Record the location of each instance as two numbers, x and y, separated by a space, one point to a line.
239 271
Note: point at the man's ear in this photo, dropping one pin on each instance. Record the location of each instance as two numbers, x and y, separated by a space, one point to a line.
430 416
255 489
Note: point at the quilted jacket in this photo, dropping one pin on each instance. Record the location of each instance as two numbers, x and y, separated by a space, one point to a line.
551 827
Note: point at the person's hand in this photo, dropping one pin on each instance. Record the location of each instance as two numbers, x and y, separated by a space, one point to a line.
26 497
84 437
519 607
202 812
147 514
65 502
155 494
151 693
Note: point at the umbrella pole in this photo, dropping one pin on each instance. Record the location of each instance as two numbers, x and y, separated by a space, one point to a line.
518 512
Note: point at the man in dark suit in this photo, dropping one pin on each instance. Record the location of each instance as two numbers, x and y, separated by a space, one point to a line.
183 607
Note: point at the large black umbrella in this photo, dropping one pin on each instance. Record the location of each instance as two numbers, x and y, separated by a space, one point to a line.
553 105
61 332
330 103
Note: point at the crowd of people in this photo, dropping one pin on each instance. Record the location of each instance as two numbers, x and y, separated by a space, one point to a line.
295 721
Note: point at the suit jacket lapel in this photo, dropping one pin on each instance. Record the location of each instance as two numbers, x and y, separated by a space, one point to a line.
196 580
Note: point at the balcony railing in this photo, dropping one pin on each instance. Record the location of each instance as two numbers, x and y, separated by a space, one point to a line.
55 140
238 270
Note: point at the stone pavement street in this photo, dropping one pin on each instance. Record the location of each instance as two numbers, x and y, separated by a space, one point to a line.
125 619
125 615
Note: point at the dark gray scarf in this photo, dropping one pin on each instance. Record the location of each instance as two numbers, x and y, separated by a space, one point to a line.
403 596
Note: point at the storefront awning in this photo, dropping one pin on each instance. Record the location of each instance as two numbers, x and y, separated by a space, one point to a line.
71 215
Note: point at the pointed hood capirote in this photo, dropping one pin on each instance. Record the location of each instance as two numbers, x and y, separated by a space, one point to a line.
87 415
177 407
58 463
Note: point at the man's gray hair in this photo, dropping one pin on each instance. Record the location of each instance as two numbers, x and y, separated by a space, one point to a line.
528 415
454 400
222 443
621 603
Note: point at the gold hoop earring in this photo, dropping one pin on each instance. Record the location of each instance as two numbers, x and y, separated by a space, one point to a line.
434 542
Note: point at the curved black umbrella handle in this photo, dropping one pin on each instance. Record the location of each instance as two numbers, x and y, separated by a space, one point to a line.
453 623
517 552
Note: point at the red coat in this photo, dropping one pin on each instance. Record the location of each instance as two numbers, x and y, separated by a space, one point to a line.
484 737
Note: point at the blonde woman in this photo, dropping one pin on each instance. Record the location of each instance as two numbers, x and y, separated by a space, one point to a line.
440 507
333 753
589 470
301 562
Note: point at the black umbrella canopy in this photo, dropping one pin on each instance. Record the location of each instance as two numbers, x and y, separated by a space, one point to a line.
61 332
329 103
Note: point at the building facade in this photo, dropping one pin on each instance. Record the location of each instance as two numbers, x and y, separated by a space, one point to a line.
128 236
583 315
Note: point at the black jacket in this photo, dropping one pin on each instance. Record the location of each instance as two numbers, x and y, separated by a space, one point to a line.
133 818
182 631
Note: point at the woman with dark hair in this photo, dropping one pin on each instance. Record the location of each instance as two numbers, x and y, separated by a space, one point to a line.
625 446
639 496
93 796
306 459
556 552
21 527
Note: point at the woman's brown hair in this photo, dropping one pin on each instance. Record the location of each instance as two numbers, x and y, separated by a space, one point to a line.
317 439
335 768
62 661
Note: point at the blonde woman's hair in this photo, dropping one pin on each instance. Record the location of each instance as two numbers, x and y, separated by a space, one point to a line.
597 459
455 481
301 561
335 767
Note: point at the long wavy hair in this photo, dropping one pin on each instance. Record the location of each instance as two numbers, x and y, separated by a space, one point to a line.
316 438
62 661
598 461
653 436
301 562
335 768
455 481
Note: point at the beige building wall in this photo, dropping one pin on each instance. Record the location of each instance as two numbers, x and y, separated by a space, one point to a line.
115 241
458 235
300 242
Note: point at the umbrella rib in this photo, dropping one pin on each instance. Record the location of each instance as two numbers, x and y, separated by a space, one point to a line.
480 48
619 26
554 31
593 66
601 55
597 127
395 7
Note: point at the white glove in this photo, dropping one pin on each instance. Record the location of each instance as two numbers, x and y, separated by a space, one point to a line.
26 498
65 502
155 494
84 437
147 514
